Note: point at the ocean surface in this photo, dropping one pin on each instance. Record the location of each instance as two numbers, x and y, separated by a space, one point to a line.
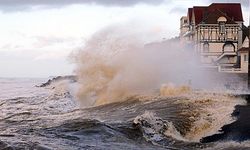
51 117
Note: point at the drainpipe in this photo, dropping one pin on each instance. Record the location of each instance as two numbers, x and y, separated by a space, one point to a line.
248 84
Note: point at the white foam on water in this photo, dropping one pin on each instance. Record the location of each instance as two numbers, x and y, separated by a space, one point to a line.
211 112
207 111
155 129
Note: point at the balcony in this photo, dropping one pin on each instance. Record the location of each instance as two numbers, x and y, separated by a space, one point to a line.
224 69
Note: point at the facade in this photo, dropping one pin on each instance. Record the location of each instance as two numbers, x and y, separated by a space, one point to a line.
217 33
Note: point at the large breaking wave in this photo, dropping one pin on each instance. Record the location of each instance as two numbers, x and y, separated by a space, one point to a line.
115 64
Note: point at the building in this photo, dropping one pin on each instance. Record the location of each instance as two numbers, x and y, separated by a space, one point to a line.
217 33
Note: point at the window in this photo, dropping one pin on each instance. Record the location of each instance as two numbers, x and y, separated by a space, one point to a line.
185 21
222 21
228 47
245 57
206 47
191 27
222 27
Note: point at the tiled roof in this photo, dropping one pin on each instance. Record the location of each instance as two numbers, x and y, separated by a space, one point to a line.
232 11
212 17
198 13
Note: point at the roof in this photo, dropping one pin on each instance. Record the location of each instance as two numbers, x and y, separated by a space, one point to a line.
245 32
190 11
212 18
198 13
244 49
232 11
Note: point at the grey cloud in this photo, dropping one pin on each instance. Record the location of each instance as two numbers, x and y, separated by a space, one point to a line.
179 10
21 5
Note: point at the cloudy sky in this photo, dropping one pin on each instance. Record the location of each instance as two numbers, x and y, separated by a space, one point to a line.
36 36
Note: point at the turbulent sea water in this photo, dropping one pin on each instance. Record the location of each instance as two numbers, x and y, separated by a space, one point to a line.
50 117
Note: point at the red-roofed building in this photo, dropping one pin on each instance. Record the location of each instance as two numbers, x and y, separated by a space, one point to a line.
217 33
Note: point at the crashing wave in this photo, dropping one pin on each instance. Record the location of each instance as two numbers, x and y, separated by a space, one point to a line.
205 112
155 129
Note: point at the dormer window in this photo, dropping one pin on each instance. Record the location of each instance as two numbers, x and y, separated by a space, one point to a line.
222 27
222 22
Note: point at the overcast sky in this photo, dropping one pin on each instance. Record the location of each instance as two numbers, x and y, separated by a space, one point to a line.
36 36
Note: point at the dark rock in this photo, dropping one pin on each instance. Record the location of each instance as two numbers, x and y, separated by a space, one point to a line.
71 78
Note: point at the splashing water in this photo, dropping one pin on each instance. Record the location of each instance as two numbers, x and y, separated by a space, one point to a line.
115 65
116 68
172 90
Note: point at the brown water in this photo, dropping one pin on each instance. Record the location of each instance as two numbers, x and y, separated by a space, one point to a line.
51 118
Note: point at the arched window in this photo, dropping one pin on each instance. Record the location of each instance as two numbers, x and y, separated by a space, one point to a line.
228 47
206 47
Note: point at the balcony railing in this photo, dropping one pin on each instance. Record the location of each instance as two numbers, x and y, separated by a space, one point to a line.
231 70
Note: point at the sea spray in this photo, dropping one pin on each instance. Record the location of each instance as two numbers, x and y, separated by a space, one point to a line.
115 64
172 90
